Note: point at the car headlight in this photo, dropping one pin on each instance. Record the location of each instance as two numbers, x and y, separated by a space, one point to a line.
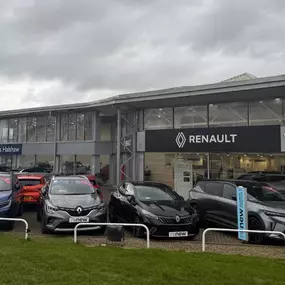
6 203
272 213
51 209
149 214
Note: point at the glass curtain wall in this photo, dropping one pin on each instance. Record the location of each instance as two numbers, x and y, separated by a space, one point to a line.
158 119
76 126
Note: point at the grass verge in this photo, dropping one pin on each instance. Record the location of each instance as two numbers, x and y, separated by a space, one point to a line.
53 261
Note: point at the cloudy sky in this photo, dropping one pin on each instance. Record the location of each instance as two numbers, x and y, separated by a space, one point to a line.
63 51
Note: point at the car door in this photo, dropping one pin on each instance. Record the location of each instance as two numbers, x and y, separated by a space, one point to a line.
229 205
211 201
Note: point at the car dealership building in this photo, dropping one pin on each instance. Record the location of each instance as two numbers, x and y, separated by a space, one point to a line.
216 130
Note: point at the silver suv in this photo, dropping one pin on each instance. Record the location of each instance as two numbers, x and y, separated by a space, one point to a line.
215 200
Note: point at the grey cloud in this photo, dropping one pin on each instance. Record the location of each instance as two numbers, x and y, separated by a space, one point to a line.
130 45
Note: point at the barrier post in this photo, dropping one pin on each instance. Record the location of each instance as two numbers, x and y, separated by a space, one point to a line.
19 220
237 231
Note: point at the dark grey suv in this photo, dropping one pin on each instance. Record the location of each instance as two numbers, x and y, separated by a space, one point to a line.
215 200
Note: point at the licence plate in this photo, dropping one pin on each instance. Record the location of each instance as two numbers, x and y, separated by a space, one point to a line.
79 220
27 198
178 234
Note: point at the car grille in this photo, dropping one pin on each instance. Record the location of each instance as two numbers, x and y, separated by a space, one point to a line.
73 212
171 220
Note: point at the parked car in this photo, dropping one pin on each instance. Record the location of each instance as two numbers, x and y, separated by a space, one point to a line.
215 201
66 201
32 185
5 168
275 180
46 165
34 170
156 205
11 199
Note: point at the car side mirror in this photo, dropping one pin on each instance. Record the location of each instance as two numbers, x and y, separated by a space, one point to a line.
131 199
234 197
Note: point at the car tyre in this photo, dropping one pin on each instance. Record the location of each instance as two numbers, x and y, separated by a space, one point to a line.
138 232
38 217
255 224
20 210
44 228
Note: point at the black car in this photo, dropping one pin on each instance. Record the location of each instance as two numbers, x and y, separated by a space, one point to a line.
68 200
215 201
11 199
276 180
156 205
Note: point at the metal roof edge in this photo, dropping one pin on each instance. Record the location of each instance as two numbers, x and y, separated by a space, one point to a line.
196 90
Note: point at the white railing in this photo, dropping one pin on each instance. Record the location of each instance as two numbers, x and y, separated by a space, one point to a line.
19 220
235 230
113 224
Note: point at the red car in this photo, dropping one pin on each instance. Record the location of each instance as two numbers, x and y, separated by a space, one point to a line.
32 185
92 179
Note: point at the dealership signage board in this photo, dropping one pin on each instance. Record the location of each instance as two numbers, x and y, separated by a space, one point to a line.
242 214
10 149
220 139
183 177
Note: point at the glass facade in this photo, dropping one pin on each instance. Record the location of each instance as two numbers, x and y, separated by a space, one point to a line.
50 128
76 127
160 166
158 119
228 114
4 130
266 112
190 117
41 129
31 129
232 114
13 130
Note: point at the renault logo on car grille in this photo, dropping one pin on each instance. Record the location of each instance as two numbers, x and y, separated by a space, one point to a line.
177 219
79 210
180 140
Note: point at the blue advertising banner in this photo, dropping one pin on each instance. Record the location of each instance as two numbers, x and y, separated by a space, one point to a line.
242 216
10 149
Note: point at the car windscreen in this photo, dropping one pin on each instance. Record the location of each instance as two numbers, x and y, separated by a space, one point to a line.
71 187
29 182
5 183
155 193
264 193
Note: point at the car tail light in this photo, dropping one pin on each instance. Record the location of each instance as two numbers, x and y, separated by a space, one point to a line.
270 188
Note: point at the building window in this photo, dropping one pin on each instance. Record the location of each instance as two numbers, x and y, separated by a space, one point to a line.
50 128
105 131
13 130
3 130
266 112
228 114
31 129
41 129
80 127
190 117
88 126
72 127
22 129
156 119
64 127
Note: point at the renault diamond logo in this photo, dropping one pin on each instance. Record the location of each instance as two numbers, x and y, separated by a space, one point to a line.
177 218
79 210
180 140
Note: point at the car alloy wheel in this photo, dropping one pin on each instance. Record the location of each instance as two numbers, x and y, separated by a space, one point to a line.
255 224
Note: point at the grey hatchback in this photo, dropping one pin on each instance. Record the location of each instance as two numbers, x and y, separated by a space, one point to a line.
215 201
